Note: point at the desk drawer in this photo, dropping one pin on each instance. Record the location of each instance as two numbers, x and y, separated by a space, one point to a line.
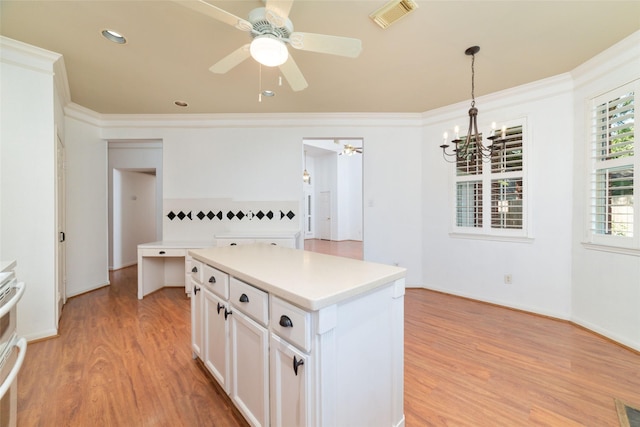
160 252
217 281
250 300
291 323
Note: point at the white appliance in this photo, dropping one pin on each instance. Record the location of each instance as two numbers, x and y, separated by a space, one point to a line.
10 360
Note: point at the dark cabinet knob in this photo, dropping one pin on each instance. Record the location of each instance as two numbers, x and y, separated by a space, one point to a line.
212 279
233 244
194 270
297 363
220 307
244 298
227 313
195 290
162 252
285 322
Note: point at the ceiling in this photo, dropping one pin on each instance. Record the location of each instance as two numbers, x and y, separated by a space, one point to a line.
415 65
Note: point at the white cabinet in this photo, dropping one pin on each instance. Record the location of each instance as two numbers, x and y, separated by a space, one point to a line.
250 372
290 385
216 338
196 318
276 238
194 278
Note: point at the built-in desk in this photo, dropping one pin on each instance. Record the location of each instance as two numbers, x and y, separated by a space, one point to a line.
165 263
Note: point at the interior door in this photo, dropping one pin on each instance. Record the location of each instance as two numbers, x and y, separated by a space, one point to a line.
61 293
324 215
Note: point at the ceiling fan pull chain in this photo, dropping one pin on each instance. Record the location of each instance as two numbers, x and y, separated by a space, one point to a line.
260 82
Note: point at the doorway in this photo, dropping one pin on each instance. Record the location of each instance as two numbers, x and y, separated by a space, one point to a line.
333 191
135 198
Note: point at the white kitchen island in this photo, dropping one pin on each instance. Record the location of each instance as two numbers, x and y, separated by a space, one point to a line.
298 338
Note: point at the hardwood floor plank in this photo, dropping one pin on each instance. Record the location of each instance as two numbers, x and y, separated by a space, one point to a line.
120 361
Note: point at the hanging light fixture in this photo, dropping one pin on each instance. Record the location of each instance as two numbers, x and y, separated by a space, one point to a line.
305 175
472 148
269 50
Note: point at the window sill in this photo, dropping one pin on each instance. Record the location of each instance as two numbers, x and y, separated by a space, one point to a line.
613 249
491 237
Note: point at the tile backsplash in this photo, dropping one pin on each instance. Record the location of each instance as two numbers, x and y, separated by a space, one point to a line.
201 219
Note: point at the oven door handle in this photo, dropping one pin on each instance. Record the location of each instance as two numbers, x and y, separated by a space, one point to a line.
14 300
22 346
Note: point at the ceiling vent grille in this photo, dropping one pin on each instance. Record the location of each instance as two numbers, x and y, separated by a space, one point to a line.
392 11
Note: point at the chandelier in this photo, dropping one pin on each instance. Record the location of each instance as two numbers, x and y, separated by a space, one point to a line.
472 148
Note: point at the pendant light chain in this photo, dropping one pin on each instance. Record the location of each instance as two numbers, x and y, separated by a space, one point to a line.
473 80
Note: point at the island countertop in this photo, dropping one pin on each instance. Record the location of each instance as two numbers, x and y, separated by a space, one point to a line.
308 279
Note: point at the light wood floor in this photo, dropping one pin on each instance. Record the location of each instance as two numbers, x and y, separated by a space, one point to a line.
345 248
120 361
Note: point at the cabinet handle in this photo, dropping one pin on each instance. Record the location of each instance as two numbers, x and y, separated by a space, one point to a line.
212 279
194 270
227 313
274 244
162 252
297 363
220 307
285 322
195 290
233 244
244 298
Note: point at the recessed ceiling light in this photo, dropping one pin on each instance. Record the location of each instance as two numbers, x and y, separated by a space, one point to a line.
114 36
181 103
268 93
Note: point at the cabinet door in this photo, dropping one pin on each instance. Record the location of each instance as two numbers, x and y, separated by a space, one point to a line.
250 371
216 338
196 317
290 385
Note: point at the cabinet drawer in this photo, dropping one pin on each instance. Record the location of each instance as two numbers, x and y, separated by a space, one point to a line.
250 300
285 243
159 252
196 270
216 281
291 323
233 242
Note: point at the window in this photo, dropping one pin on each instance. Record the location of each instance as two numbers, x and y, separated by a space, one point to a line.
613 218
490 193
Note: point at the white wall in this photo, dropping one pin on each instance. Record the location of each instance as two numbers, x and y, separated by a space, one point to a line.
540 266
606 285
134 214
28 231
349 197
255 158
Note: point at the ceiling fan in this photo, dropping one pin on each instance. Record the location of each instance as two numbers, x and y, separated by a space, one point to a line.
350 150
271 31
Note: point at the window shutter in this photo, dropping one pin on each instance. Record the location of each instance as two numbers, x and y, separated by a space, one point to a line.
612 181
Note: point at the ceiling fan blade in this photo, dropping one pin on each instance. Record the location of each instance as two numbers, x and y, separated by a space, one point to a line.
294 76
231 60
322 43
277 12
216 13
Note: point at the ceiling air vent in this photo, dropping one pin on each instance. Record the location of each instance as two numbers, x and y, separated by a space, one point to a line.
392 11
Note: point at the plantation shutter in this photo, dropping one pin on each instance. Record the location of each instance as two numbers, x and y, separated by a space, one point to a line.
613 157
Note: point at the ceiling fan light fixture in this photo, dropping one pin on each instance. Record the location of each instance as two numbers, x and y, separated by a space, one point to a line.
269 50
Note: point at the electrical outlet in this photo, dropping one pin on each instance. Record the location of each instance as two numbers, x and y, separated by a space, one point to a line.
508 279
